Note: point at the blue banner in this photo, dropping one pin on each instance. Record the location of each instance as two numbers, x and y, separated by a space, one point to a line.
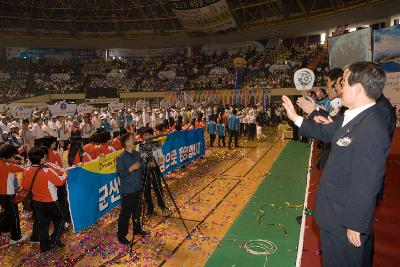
93 189
180 148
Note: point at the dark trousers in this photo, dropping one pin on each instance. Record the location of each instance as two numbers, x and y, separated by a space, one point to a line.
212 139
63 201
251 133
115 134
46 212
130 209
221 138
235 135
153 179
338 251
85 141
9 218
242 129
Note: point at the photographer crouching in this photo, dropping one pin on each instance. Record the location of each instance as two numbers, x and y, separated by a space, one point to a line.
129 169
152 175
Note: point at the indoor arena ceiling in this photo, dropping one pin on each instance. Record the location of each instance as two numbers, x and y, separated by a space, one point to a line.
119 18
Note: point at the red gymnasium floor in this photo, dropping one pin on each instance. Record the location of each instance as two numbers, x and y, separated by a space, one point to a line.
387 226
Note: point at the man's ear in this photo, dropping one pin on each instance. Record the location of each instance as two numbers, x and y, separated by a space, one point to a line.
357 89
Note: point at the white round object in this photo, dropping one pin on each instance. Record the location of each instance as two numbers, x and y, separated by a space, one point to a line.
304 79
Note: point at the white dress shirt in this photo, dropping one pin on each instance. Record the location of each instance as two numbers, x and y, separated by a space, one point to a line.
63 130
37 131
52 128
352 113
348 115
96 122
86 129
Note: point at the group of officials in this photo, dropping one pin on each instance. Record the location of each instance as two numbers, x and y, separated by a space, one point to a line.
359 137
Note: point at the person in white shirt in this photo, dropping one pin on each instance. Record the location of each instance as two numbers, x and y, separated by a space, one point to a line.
114 125
86 130
52 127
260 136
96 122
63 132
26 135
37 131
45 126
3 127
251 124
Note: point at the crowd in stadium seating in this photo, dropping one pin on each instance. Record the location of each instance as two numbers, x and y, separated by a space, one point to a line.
272 68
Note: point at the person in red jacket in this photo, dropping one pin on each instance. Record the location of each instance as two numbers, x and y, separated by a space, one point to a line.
54 157
89 150
9 219
117 141
44 198
104 147
76 153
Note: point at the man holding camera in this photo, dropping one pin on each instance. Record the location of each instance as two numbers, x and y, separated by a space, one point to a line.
129 169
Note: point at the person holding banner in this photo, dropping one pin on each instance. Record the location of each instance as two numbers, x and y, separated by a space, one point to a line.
44 199
104 146
76 152
89 150
129 169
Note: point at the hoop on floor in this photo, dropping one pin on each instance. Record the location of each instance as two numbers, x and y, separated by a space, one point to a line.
260 247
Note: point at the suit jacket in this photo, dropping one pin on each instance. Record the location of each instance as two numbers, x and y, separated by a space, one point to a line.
388 113
352 177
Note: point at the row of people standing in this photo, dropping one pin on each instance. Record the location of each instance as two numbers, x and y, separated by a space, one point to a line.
45 173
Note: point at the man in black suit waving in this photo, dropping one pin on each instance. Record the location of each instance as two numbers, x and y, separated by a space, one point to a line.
352 177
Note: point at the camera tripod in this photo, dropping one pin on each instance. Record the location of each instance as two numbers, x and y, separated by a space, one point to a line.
151 172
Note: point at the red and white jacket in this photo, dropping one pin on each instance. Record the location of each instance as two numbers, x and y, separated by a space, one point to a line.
45 187
89 152
7 177
54 158
104 149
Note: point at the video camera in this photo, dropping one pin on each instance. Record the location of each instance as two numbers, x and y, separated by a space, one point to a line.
148 146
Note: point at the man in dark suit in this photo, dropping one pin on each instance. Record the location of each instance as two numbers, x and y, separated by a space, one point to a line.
352 177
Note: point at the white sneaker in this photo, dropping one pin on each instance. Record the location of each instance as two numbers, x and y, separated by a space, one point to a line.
22 239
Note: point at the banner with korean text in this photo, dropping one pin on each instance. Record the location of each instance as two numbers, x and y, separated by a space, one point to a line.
93 189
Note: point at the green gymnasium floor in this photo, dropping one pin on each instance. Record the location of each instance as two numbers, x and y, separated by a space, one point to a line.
270 215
